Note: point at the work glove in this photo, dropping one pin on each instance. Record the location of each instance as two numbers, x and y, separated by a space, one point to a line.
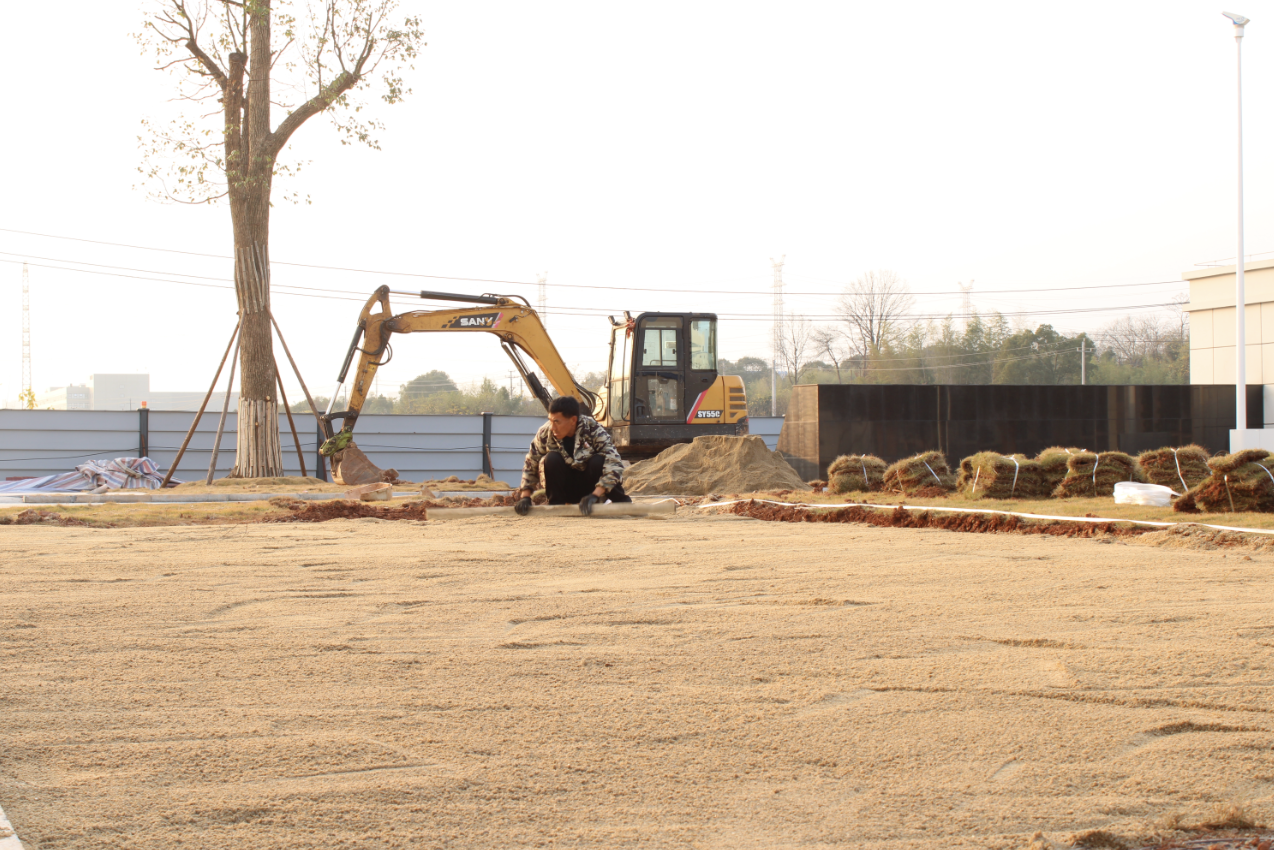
586 504
523 506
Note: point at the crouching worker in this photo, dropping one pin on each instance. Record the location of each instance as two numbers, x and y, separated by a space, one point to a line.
580 461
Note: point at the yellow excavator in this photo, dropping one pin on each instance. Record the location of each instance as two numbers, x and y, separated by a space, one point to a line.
662 385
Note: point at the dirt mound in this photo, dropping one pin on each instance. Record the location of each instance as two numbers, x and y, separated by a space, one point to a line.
713 464
901 518
1197 538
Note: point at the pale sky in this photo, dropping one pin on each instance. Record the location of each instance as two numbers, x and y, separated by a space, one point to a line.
652 156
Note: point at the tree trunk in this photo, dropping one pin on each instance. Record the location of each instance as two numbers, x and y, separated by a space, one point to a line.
258 454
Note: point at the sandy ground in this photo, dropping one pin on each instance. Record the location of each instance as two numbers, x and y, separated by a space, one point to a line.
707 683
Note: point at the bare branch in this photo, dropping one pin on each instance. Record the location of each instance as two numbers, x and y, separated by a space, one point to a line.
872 308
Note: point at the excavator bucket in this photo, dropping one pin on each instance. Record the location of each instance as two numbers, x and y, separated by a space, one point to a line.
352 468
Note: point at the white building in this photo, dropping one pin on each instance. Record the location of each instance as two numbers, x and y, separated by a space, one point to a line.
1212 326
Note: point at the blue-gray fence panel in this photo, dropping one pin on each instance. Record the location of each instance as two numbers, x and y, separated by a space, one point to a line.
767 428
46 442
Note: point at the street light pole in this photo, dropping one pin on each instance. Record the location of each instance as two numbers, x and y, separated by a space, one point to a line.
1240 297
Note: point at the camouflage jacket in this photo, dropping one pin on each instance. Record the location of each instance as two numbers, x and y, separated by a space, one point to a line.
590 439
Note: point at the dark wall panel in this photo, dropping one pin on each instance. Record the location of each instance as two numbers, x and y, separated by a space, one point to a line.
894 421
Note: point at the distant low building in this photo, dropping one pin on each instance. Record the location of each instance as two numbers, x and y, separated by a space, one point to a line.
119 391
126 392
1212 323
73 397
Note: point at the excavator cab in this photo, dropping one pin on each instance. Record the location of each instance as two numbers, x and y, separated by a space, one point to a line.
663 387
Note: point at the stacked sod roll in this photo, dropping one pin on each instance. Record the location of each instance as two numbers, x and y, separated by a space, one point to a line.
1181 469
1243 481
989 475
1053 470
923 475
855 474
1089 474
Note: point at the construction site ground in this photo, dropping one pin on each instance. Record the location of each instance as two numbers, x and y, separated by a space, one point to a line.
212 513
706 680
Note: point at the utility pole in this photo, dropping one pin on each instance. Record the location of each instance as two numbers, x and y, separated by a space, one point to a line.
542 296
1083 360
28 395
778 333
1238 437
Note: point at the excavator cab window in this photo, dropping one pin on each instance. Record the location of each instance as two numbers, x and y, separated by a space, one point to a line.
703 345
658 377
620 361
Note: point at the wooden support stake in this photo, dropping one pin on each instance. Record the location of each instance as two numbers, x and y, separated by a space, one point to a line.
193 425
308 400
221 425
297 371
283 397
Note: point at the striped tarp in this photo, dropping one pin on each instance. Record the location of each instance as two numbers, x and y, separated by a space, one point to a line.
122 473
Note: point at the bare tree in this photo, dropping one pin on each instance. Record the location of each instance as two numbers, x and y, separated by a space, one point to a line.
873 307
795 335
1136 339
831 342
235 77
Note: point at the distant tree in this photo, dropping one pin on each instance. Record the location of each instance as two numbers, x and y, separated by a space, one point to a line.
1042 356
795 334
423 386
874 309
237 77
748 368
830 342
594 380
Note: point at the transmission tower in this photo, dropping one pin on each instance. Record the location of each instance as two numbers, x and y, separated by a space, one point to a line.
778 333
542 296
26 334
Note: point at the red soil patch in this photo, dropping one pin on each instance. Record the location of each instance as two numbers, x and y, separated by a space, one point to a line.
346 509
901 518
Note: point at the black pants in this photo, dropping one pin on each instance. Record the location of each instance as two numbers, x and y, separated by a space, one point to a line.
565 485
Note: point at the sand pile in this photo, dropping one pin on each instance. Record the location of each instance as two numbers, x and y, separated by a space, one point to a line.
923 475
988 475
1179 469
856 474
713 464
1242 481
1089 474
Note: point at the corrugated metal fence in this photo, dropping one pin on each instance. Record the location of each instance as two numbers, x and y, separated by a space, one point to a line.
45 442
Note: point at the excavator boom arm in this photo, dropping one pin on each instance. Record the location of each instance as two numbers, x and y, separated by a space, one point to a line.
518 327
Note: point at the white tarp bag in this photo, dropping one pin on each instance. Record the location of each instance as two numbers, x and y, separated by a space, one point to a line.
1134 493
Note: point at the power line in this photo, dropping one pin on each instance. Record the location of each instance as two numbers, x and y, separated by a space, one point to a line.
536 283
586 312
